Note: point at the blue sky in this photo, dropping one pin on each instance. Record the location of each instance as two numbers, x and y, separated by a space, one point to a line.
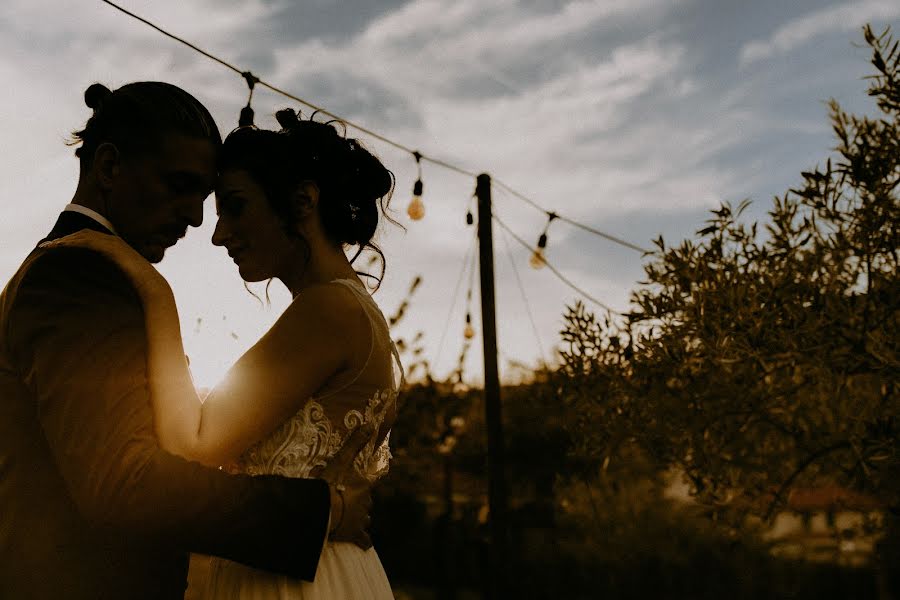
635 117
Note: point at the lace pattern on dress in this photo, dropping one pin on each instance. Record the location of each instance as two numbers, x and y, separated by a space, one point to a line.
309 438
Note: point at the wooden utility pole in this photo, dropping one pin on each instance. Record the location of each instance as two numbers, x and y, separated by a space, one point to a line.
497 501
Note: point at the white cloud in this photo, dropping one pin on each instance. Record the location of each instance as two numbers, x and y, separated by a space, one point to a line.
600 111
799 31
473 30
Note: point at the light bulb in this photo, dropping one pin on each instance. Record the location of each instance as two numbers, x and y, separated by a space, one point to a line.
537 259
469 332
416 209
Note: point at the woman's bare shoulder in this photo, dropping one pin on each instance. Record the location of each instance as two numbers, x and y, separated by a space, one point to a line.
326 309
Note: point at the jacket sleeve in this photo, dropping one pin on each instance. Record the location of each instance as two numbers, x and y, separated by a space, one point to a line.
76 329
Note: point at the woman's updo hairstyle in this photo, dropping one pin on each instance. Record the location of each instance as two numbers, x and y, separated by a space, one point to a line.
135 116
354 187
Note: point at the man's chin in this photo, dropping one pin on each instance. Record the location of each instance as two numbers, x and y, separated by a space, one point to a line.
154 253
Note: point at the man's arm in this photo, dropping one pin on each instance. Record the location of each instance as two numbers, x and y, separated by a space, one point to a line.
77 331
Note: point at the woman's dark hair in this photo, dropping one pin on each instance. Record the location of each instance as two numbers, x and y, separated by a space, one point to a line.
135 116
353 184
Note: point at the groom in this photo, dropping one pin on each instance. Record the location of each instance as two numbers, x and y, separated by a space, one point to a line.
90 506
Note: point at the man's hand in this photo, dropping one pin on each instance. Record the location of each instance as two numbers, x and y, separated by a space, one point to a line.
351 493
353 524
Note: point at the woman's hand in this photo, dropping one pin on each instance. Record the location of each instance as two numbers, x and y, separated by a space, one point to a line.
143 275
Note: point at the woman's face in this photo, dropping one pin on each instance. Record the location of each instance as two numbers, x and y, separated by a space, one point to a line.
249 229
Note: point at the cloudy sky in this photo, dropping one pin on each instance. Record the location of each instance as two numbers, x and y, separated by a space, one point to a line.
632 116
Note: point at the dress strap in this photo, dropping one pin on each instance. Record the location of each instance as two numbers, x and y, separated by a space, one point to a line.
358 291
372 309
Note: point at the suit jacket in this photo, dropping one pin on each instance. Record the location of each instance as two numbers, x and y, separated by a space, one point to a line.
90 506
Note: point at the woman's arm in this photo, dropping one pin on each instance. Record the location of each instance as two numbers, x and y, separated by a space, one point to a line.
262 390
310 342
268 384
177 408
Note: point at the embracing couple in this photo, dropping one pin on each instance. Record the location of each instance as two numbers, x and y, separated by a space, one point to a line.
111 466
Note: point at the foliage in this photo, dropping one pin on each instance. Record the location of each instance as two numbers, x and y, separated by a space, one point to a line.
754 360
758 357
587 534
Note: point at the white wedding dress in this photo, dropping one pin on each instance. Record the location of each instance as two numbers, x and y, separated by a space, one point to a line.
306 441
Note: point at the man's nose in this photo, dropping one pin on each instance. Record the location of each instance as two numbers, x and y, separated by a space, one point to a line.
192 211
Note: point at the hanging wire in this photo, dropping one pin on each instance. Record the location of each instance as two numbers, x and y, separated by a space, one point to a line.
286 94
512 262
369 132
174 37
555 215
554 270
467 338
462 271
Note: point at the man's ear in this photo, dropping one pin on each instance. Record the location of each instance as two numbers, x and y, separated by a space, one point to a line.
305 200
107 163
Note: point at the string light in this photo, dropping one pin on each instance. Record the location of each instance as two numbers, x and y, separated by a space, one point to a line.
246 118
416 209
468 334
469 331
538 260
556 271
499 184
467 262
515 270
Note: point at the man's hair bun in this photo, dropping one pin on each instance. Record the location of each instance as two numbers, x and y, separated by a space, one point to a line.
96 95
136 115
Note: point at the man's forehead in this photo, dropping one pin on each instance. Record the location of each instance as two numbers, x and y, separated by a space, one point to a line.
180 147
188 155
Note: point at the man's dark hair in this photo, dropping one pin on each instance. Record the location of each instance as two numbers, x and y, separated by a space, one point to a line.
135 116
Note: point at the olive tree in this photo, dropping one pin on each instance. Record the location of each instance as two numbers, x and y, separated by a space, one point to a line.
759 356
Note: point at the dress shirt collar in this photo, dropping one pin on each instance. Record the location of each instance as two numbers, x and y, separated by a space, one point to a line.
91 214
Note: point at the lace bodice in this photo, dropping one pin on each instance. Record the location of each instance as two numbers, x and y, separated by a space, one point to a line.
318 430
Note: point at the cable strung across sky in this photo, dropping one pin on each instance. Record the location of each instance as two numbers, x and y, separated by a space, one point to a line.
252 79
555 271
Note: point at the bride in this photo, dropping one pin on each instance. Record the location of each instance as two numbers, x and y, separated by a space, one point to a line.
288 203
